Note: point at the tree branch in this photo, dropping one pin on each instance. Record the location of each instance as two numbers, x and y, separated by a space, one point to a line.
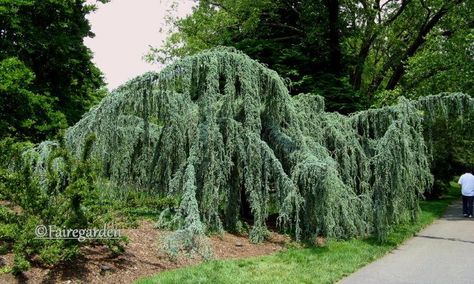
398 13
370 39
385 4
286 38
399 69
285 26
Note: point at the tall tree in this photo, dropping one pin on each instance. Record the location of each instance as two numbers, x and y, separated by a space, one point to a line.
446 61
393 33
356 53
23 113
47 37
301 40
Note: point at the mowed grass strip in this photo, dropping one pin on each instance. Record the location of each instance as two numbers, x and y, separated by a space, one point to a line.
326 264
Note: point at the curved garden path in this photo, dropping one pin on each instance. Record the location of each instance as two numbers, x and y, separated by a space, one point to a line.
441 253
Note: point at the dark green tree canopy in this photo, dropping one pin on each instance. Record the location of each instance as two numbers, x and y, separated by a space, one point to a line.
23 113
47 37
354 53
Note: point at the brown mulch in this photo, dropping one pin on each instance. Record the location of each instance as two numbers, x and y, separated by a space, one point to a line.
142 258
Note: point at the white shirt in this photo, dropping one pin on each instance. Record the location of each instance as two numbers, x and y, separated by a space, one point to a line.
467 184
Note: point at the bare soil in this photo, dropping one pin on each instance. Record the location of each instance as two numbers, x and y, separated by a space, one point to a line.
142 258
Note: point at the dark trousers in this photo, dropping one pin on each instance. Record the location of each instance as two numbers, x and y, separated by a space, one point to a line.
467 204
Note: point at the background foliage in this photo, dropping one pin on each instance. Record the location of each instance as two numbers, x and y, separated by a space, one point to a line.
355 53
47 78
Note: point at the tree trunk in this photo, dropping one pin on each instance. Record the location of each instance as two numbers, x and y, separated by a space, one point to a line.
334 36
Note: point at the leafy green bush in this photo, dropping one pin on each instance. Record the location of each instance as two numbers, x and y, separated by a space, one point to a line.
59 191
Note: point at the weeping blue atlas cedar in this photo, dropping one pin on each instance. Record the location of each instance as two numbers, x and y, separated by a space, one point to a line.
221 132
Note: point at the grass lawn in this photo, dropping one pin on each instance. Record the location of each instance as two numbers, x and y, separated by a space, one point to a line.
326 264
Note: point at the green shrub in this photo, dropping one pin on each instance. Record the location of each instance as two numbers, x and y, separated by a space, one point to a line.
58 190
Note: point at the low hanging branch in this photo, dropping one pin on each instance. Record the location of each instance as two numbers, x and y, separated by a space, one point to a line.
221 132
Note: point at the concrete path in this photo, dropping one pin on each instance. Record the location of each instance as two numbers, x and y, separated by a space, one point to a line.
441 253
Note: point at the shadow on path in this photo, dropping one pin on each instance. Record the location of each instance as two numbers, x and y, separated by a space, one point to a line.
446 239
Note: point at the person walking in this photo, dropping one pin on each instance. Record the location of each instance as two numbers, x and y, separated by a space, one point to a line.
467 190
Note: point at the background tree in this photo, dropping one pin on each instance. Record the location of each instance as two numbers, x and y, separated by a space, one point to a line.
298 39
396 35
354 53
23 113
46 37
446 62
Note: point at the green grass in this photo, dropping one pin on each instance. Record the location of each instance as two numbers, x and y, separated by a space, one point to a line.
326 264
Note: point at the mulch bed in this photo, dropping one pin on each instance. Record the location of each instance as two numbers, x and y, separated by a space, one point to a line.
142 258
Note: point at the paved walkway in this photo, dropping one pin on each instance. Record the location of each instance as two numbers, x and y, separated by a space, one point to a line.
441 253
